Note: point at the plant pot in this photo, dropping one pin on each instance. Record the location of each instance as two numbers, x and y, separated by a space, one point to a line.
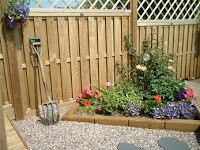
10 24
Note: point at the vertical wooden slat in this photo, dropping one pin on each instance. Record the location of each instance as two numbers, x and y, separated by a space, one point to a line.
195 43
117 41
171 39
73 50
154 36
83 37
198 51
134 22
189 52
92 49
175 47
64 48
109 37
160 37
6 63
192 52
180 48
142 37
125 32
138 38
3 139
101 48
3 85
185 42
53 56
28 32
166 40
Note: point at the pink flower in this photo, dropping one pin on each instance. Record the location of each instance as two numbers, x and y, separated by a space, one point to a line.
88 91
194 94
79 95
192 101
96 94
188 91
186 96
108 84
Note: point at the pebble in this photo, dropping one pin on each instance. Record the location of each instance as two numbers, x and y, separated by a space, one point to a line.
87 136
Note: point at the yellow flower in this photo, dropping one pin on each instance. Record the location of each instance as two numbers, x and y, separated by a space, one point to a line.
171 61
171 68
138 67
144 68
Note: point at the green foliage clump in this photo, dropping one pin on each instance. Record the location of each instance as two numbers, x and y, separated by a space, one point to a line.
122 93
149 105
166 87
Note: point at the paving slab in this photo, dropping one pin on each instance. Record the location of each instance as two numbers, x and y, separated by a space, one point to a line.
168 143
127 146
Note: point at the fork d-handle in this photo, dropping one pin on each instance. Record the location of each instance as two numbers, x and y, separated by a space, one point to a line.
36 49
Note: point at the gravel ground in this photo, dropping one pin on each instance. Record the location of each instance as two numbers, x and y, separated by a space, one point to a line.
68 135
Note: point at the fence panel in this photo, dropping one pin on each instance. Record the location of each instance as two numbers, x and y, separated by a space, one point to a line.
76 52
181 39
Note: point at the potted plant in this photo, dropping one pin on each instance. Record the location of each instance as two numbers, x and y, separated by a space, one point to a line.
15 11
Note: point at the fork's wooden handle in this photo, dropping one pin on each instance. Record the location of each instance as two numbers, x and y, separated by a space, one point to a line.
43 74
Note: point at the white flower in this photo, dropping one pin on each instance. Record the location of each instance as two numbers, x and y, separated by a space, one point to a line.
144 68
138 67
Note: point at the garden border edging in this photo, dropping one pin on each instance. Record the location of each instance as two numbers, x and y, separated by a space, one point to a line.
174 124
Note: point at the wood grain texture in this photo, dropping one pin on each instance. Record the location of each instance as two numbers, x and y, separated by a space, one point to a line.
53 55
3 139
180 50
15 62
110 49
84 48
73 52
185 44
93 49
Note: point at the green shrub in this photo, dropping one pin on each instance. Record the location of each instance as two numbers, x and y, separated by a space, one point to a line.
115 98
166 87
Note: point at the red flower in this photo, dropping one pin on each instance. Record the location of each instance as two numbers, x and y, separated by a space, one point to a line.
96 94
158 98
87 103
83 95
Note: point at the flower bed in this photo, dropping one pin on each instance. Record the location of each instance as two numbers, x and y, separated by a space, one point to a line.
152 92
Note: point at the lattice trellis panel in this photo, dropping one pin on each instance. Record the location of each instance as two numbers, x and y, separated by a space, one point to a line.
147 9
168 9
81 4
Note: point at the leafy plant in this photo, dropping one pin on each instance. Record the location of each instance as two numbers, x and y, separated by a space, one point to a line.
149 105
16 9
88 100
166 87
122 93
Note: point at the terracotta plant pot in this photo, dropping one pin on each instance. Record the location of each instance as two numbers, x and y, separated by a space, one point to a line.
10 24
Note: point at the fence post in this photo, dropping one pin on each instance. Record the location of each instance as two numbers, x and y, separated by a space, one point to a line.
15 64
16 71
3 139
134 22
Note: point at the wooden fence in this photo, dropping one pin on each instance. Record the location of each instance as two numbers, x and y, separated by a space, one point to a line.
76 51
81 49
178 37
